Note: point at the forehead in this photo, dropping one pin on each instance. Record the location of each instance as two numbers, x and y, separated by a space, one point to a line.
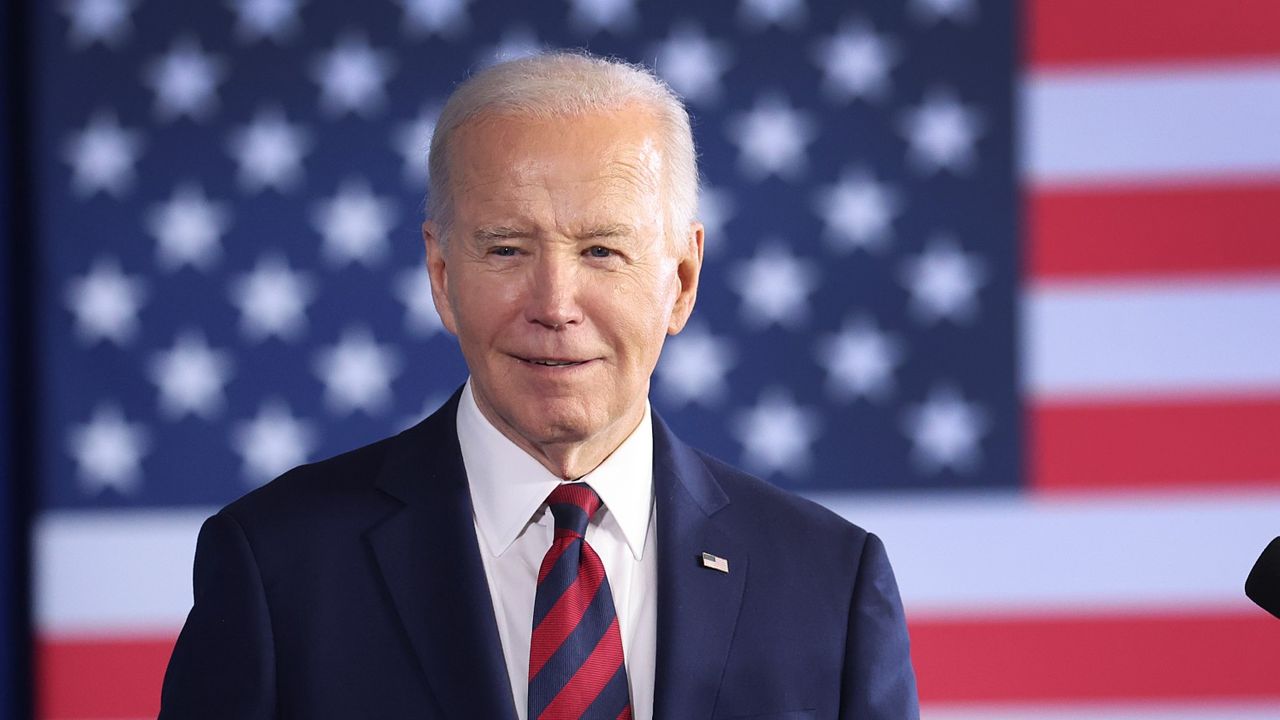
619 148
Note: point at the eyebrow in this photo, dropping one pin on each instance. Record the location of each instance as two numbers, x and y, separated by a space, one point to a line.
498 232
608 231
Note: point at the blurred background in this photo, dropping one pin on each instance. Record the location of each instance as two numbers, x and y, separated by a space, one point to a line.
998 281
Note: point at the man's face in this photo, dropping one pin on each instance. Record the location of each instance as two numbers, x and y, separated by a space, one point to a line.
557 277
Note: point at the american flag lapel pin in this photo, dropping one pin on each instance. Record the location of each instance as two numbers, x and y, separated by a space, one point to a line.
715 563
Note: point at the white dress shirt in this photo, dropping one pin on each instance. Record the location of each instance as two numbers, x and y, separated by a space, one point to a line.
515 528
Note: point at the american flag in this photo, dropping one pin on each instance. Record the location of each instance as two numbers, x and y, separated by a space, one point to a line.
998 281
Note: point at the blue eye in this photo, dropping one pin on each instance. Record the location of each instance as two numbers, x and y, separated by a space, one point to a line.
600 252
504 251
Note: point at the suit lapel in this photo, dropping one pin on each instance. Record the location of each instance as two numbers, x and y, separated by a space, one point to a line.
697 606
430 561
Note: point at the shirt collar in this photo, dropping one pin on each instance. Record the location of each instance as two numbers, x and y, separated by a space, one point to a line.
508 485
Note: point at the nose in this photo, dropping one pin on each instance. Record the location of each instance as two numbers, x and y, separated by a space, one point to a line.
553 295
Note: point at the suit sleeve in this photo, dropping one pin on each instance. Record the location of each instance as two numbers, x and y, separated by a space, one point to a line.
223 665
879 682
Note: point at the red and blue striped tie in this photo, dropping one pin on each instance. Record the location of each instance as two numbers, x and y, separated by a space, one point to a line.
575 656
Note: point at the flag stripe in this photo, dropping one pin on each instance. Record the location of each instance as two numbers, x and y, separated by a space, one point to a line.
1155 443
1065 554
1188 229
1139 31
1176 656
1139 338
1093 710
958 659
79 678
135 564
1014 555
1108 126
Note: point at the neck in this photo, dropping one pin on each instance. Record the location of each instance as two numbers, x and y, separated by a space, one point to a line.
569 459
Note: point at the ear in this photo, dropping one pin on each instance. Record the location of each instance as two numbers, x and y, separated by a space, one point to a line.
438 270
687 273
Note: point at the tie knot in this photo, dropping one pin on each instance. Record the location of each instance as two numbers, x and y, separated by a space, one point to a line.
573 505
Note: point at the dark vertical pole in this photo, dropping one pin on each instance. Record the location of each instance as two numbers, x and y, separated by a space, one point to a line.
17 365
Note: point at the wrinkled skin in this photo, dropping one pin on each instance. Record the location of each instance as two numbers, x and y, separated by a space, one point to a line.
558 279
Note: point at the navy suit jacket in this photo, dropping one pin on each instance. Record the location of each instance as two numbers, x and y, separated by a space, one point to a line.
353 588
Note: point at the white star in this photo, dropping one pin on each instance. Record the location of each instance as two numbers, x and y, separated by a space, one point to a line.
592 16
771 138
106 303
272 299
776 434
933 11
352 77
860 360
190 376
435 17
272 442
184 81
108 451
693 367
858 211
760 14
98 21
357 373
775 286
102 156
943 282
269 152
413 140
515 43
941 133
189 229
260 19
714 208
945 431
691 63
413 288
855 63
354 223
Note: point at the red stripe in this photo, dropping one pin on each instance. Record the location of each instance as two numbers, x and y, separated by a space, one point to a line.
625 714
1081 32
1163 444
565 615
587 683
1046 658
80 678
1098 658
553 555
1123 231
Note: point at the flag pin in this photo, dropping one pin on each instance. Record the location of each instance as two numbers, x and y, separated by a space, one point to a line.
715 563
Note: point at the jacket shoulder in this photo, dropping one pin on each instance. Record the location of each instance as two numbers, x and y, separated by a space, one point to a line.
779 513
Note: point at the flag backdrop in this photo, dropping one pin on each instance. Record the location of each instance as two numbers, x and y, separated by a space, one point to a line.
998 282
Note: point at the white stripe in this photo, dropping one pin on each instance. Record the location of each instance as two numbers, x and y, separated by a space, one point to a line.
103 572
107 572
1190 710
1013 554
1108 125
1151 337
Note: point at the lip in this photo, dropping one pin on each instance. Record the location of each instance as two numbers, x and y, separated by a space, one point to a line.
553 363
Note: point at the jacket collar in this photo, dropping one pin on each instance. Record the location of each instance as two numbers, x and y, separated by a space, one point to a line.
430 562
697 606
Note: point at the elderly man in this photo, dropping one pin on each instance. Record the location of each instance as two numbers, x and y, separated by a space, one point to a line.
543 546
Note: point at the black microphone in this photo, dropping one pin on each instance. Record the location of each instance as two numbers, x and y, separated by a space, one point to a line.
1263 585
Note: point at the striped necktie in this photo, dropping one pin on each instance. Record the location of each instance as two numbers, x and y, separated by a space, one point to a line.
575 655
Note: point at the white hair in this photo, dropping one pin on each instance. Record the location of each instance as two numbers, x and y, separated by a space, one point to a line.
565 84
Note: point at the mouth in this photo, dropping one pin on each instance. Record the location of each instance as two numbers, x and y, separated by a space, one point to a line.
551 362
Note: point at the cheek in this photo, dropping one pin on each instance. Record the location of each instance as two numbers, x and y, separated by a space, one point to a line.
481 302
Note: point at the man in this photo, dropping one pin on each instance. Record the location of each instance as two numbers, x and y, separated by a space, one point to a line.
543 546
